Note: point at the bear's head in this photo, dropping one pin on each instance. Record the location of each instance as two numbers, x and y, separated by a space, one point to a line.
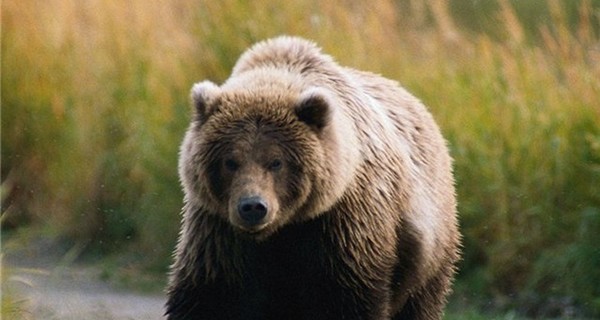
265 157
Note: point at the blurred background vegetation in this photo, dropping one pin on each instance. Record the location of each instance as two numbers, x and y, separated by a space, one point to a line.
95 104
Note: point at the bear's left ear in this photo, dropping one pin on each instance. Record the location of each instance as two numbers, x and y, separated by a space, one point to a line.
314 108
203 95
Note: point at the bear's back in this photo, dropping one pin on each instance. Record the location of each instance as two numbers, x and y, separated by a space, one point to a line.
287 53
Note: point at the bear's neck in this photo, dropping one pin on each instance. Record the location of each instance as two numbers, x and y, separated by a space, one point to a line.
224 253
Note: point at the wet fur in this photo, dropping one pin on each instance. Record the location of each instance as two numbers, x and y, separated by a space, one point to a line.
366 227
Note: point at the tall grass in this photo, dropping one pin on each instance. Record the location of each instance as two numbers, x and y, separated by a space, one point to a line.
94 104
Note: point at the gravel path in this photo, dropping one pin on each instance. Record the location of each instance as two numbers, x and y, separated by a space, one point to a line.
73 293
69 294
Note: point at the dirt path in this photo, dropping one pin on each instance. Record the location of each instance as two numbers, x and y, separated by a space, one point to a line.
69 294
73 293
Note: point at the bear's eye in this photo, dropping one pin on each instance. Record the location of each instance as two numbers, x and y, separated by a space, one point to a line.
275 165
231 164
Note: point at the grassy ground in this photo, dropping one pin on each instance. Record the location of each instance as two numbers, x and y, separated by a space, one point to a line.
94 105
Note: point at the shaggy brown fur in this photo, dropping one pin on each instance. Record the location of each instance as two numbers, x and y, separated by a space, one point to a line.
312 191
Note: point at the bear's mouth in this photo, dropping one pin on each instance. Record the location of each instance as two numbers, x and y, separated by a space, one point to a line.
257 232
254 229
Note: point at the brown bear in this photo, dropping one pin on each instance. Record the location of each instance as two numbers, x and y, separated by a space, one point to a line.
312 191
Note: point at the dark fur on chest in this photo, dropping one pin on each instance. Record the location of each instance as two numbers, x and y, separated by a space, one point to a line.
295 274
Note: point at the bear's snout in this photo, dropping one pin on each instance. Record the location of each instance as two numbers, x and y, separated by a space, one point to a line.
252 210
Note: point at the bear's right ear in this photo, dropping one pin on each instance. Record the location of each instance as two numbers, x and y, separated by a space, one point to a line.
203 94
314 108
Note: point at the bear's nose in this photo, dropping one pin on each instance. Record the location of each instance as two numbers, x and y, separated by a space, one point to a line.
252 209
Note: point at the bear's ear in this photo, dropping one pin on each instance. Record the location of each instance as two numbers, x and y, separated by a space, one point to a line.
203 94
314 109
